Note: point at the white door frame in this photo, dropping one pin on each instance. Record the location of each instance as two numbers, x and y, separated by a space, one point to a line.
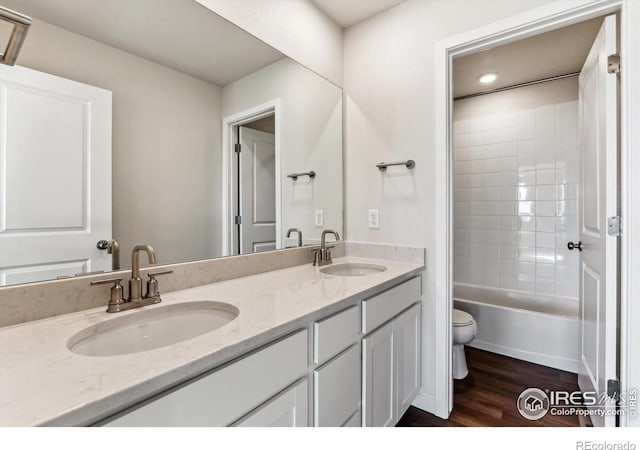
530 23
228 123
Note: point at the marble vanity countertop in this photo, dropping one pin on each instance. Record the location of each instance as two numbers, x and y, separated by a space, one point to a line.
43 383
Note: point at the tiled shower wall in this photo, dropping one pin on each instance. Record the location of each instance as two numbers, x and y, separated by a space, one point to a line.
515 207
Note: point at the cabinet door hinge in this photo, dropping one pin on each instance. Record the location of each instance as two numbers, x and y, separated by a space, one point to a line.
613 63
614 226
238 148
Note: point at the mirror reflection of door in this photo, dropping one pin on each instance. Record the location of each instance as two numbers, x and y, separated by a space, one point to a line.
55 176
255 225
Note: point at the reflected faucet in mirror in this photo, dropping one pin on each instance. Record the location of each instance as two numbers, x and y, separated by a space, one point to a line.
113 248
295 230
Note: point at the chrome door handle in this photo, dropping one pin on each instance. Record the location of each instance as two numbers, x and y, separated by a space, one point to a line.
571 245
102 244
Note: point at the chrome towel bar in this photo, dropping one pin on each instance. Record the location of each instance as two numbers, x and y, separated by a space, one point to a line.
21 25
409 164
294 176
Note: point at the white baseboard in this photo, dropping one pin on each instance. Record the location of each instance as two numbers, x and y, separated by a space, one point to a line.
426 403
566 364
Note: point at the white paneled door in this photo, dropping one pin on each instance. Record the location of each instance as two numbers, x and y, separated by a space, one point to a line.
257 191
55 176
598 168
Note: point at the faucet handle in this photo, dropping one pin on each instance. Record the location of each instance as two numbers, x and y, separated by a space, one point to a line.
152 284
157 274
116 299
117 281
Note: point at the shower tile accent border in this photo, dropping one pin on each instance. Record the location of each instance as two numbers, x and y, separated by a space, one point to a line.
35 301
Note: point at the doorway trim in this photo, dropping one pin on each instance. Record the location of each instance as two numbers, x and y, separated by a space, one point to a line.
228 124
536 21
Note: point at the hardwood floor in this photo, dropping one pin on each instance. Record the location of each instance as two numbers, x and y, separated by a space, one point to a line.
487 397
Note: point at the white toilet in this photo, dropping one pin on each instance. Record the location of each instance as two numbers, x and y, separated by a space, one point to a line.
464 331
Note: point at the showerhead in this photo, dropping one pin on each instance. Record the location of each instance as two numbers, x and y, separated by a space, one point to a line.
21 26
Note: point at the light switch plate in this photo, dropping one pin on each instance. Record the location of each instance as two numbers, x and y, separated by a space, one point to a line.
374 219
319 217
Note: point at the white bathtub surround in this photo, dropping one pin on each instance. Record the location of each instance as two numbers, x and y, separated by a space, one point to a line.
515 198
531 327
45 383
27 302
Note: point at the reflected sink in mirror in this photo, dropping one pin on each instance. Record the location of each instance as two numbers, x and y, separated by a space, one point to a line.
353 269
152 328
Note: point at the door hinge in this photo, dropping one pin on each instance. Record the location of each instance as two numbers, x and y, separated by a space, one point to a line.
237 220
614 226
613 63
238 148
613 389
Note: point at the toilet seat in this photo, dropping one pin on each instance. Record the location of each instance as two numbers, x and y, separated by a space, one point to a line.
461 318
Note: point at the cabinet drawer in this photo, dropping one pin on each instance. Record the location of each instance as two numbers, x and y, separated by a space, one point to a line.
287 409
337 389
382 307
223 396
334 334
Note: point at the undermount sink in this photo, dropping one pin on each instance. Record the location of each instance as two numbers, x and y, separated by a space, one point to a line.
353 269
153 328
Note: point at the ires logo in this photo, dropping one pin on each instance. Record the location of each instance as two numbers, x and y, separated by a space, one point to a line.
535 403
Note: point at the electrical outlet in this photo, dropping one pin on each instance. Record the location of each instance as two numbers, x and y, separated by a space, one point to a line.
374 218
319 217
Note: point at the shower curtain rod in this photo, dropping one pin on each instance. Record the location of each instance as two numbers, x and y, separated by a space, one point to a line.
516 86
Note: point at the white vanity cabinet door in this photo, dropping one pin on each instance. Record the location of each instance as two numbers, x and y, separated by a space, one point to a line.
406 330
378 380
221 397
354 421
287 409
337 389
391 369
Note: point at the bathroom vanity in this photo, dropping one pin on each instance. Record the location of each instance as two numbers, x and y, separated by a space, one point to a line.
301 346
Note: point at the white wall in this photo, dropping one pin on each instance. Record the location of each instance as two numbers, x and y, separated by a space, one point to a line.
311 139
515 189
389 91
166 140
296 28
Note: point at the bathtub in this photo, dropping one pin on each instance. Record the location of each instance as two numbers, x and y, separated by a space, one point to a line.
531 327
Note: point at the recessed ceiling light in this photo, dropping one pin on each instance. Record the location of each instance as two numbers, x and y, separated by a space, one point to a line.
488 78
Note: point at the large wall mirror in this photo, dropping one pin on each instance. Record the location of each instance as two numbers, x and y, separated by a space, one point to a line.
157 122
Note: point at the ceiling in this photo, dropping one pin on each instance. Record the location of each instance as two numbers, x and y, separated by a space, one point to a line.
348 12
554 53
180 34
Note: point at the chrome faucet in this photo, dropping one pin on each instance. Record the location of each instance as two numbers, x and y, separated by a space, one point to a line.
322 255
296 230
136 299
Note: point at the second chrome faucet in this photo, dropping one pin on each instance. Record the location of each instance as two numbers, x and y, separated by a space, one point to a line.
136 299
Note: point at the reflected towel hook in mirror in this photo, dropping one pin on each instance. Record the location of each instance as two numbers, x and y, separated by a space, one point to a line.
21 25
409 164
311 174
